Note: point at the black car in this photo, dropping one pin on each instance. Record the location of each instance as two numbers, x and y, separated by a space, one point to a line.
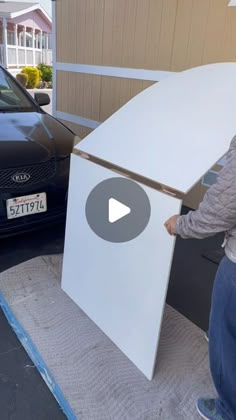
35 153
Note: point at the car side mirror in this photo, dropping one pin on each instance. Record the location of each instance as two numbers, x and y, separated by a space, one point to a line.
42 98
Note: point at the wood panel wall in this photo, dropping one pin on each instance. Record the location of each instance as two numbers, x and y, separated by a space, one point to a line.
94 97
150 34
170 35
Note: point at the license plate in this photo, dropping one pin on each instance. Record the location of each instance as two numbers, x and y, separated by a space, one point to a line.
26 205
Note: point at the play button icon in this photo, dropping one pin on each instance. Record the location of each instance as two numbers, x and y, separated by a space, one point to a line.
118 210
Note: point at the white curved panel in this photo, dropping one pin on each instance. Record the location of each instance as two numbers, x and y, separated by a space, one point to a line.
174 131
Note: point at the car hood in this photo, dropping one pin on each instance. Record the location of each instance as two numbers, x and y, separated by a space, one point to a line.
32 137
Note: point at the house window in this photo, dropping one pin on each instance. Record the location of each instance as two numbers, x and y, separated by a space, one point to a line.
43 41
10 37
37 41
29 41
21 39
1 35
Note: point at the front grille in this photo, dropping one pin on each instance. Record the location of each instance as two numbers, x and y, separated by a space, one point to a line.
33 221
39 173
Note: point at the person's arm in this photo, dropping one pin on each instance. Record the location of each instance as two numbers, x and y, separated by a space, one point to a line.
217 211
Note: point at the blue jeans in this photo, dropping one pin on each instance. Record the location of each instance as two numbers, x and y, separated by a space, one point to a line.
222 338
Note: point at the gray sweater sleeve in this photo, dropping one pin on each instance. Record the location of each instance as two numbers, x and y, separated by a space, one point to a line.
217 211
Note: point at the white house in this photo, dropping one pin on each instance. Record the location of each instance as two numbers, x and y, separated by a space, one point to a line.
45 4
25 35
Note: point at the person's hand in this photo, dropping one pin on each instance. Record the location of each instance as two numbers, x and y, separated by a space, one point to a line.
170 225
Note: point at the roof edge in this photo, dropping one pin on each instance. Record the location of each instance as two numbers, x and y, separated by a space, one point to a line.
29 9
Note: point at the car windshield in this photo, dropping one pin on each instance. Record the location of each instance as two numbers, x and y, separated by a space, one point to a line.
12 97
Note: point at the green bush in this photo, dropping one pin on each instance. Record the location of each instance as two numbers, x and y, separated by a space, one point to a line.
45 72
33 76
22 78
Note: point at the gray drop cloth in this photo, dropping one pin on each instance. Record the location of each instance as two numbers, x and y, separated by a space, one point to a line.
98 381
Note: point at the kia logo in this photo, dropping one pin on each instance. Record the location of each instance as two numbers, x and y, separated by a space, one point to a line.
21 177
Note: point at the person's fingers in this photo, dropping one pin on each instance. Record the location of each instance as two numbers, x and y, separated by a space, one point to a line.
170 225
167 222
171 228
168 228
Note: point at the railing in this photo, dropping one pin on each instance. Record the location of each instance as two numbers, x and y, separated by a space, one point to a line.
47 57
2 59
23 56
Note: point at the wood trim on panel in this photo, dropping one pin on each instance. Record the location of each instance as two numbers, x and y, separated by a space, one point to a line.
122 72
132 175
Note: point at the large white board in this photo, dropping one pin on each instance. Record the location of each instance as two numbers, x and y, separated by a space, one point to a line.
120 286
171 133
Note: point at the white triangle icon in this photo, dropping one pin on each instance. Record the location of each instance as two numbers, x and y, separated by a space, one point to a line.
117 210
